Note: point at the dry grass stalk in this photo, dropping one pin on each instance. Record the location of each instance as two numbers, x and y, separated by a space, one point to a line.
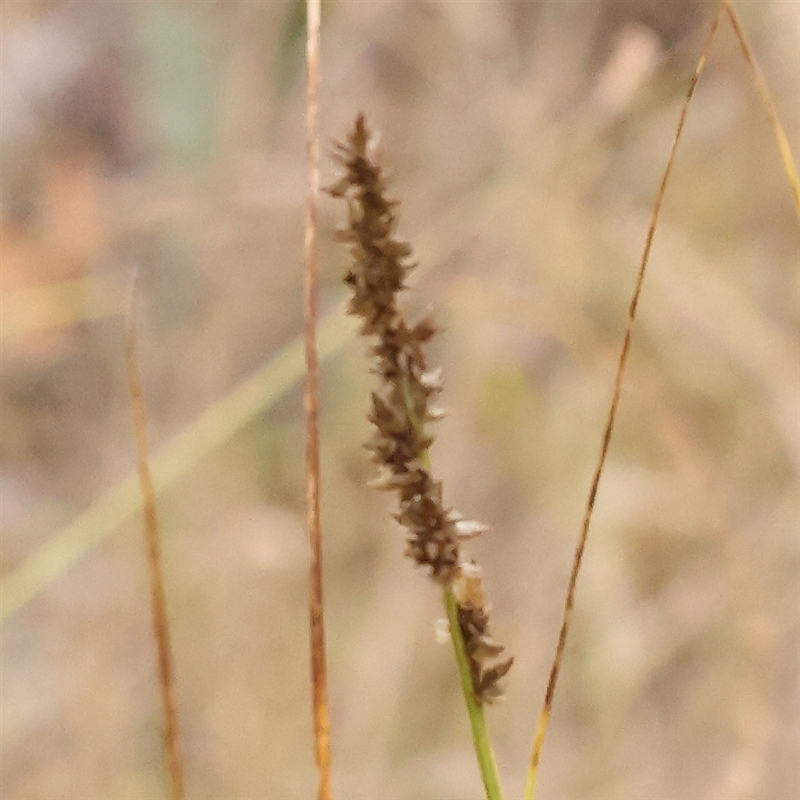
761 86
319 679
402 405
569 601
166 682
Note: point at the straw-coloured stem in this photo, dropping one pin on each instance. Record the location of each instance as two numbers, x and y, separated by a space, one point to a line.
766 98
569 601
158 601
319 678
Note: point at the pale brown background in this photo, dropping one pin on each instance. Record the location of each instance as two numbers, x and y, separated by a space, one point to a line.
526 140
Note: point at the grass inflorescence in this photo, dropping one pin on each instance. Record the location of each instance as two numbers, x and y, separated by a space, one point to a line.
402 406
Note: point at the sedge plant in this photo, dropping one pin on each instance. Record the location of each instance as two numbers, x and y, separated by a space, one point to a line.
402 407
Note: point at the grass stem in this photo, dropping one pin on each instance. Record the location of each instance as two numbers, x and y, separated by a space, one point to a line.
766 98
484 754
477 720
319 675
569 600
155 568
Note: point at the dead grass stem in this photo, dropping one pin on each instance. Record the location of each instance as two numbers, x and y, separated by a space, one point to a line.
319 679
580 547
158 603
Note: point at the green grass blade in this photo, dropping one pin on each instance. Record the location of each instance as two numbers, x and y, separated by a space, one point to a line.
177 457
213 427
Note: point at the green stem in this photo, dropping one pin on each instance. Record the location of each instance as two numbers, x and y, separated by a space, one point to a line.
477 721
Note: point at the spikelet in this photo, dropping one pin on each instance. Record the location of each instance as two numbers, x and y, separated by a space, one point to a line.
484 653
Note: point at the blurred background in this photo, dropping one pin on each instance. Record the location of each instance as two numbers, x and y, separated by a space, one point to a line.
526 140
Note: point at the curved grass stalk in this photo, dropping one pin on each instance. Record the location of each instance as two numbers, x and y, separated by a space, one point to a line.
569 602
761 86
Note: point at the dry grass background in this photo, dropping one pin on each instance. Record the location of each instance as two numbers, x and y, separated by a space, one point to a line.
526 140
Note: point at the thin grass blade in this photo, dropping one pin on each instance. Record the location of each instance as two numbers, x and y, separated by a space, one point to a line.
209 430
158 601
766 98
569 601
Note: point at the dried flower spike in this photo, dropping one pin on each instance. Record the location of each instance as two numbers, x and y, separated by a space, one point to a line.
402 404
484 652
